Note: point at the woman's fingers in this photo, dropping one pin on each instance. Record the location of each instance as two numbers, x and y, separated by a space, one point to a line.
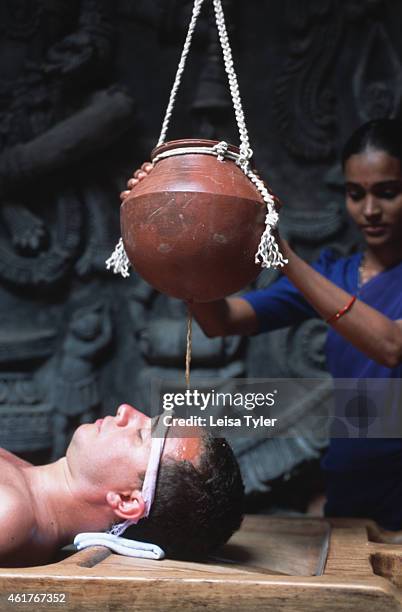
143 171
138 175
124 194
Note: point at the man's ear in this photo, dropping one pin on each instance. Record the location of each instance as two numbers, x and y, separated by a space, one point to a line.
128 505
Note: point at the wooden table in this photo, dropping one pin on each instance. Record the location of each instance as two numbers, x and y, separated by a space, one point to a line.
278 564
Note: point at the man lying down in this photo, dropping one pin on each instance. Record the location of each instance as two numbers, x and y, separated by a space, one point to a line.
183 494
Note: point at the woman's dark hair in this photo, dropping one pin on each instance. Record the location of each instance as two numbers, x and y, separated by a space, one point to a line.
196 509
379 134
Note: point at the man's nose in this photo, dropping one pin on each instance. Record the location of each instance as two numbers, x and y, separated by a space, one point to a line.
127 413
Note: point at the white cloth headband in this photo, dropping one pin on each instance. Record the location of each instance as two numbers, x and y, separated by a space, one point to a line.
111 538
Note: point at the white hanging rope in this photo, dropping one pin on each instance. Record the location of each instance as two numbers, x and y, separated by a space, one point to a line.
186 49
268 249
245 149
268 254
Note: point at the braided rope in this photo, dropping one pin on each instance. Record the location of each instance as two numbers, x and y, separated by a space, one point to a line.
268 249
245 148
186 49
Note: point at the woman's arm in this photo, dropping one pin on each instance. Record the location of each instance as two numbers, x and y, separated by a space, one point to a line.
367 329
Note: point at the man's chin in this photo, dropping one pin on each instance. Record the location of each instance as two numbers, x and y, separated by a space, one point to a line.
79 433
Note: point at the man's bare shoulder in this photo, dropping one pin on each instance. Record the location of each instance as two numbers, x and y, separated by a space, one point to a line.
5 455
14 507
16 519
12 474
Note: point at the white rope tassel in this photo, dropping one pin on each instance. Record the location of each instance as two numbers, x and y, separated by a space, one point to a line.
119 260
268 249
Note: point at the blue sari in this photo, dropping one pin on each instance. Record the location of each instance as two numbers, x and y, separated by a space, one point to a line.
364 476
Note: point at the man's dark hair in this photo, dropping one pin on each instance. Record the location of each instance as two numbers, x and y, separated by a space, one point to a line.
196 509
379 134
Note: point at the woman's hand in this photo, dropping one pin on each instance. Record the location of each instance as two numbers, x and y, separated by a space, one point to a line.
138 175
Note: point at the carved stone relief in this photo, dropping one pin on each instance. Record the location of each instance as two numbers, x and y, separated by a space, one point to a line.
57 110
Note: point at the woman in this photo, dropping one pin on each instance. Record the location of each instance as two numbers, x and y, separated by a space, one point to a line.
361 298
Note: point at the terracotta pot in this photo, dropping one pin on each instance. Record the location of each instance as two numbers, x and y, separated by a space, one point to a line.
192 227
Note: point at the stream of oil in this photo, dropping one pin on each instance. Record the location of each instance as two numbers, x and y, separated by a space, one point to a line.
188 349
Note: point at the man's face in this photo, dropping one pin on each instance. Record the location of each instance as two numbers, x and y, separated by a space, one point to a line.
113 453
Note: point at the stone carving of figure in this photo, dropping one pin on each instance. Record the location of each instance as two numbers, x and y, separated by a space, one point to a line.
75 391
59 112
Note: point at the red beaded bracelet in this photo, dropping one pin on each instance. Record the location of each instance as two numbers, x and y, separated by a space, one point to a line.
342 311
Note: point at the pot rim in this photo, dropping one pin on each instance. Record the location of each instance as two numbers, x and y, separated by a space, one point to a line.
188 142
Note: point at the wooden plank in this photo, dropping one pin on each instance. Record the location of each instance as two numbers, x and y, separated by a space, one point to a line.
348 553
267 593
295 547
244 576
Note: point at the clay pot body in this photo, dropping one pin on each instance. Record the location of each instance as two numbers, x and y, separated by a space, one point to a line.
192 227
